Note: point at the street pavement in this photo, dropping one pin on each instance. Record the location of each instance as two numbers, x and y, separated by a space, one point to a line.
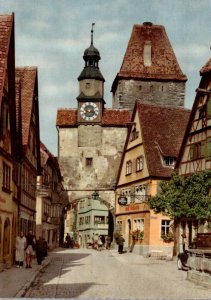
87 273
14 282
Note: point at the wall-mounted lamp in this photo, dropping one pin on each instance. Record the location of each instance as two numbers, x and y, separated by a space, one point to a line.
95 195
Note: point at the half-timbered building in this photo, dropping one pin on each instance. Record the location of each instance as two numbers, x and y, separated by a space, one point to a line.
27 87
150 153
8 147
195 152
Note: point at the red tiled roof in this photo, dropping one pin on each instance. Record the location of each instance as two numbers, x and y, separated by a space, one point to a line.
111 117
27 77
163 128
206 68
66 117
115 117
164 63
45 155
6 23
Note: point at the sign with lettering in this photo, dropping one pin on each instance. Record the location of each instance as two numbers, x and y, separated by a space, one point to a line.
122 200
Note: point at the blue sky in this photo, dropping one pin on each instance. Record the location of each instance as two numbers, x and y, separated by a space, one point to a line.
53 34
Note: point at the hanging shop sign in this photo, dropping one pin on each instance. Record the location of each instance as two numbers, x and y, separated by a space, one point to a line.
122 200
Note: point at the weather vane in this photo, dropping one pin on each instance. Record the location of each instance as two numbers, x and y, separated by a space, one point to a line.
92 33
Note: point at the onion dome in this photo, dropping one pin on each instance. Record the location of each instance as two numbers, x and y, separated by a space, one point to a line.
91 58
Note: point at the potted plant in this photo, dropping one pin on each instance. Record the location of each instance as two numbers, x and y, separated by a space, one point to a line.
138 234
168 237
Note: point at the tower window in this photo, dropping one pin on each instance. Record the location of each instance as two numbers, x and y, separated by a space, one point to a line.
147 54
89 161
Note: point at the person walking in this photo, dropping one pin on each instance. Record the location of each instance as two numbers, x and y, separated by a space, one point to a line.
30 248
39 250
121 241
108 242
20 246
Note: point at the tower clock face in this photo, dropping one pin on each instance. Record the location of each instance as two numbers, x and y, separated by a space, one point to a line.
89 111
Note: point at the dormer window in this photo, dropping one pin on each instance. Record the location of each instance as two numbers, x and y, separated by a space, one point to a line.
169 161
134 134
147 54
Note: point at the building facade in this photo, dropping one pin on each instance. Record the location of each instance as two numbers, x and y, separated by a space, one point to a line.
27 91
8 146
149 70
195 152
92 219
149 157
50 200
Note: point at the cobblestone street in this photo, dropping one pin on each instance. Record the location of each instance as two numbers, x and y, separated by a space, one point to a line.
86 273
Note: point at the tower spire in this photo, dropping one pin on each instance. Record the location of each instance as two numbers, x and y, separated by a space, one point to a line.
92 33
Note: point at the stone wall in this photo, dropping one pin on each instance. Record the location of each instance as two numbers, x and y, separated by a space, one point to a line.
104 145
162 93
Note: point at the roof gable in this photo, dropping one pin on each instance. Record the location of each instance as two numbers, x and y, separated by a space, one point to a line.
6 24
27 77
162 130
163 65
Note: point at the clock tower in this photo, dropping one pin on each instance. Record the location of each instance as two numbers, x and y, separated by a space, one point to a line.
91 87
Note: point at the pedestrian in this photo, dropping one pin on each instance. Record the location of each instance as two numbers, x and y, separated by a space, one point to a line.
20 246
45 247
108 242
99 243
30 248
103 241
68 240
121 241
39 250
95 239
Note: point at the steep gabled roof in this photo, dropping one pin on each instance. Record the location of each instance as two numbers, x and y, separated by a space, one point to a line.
27 79
164 65
47 156
6 24
205 72
162 131
111 117
206 68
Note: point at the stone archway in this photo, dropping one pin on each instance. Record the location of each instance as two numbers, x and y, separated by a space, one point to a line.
6 238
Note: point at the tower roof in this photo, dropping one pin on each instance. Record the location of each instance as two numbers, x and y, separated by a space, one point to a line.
91 57
149 41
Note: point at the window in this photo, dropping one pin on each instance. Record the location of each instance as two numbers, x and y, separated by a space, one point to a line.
165 227
99 220
6 177
138 224
139 163
169 161
140 193
119 226
89 161
128 167
147 54
134 134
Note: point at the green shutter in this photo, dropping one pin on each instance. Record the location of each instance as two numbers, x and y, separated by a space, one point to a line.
191 153
203 149
209 108
208 148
